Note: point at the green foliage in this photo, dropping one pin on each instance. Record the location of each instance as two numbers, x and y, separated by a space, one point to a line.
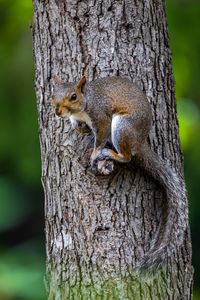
21 273
11 215
18 117
22 265
183 19
196 295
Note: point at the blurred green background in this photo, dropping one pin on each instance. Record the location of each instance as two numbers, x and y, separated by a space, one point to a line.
22 254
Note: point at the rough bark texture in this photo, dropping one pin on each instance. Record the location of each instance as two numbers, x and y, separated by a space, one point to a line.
98 227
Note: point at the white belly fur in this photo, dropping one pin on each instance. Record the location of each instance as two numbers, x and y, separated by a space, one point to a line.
81 117
116 119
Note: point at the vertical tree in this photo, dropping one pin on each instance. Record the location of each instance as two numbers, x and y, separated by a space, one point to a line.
98 227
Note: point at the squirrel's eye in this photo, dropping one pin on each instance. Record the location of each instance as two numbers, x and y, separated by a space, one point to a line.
73 97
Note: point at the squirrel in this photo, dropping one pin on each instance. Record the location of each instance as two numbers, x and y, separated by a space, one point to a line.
116 110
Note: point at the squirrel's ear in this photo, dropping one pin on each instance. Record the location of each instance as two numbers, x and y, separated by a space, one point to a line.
81 83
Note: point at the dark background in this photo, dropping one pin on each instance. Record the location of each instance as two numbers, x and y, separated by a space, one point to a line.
22 242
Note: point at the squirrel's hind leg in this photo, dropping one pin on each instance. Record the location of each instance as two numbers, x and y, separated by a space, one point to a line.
111 154
121 140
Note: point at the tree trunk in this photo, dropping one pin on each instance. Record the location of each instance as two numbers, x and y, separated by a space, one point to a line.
98 227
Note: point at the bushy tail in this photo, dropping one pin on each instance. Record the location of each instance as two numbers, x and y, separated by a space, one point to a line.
173 224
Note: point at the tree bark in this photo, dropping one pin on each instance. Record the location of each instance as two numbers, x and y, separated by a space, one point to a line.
98 227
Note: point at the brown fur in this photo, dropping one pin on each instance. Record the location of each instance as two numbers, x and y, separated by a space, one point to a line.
117 110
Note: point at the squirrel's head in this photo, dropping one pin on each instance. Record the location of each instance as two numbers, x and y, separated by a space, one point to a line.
68 98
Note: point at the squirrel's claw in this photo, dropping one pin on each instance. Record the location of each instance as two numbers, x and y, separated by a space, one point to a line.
101 162
105 167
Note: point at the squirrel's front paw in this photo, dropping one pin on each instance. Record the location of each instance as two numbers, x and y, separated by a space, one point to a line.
82 128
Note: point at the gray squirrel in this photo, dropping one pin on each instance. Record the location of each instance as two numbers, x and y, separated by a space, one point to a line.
115 109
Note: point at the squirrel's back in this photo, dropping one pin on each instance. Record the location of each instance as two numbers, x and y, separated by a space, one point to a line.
118 91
